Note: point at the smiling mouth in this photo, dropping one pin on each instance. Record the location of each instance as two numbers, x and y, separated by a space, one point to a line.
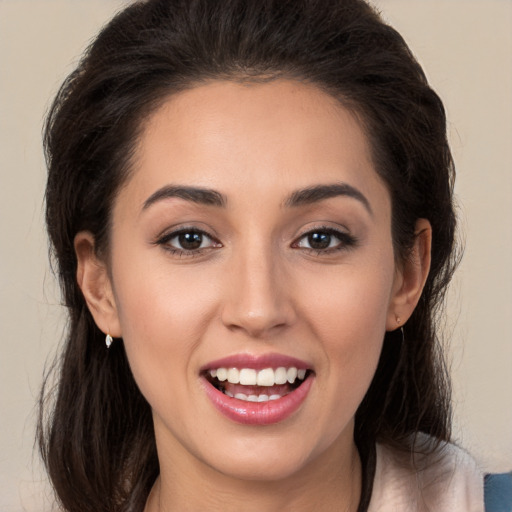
250 385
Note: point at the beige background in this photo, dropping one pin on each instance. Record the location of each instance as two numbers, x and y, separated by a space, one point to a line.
466 48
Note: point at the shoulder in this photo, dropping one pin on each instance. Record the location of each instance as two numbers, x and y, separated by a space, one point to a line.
446 480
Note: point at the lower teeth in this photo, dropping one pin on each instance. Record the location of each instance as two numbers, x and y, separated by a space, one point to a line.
253 398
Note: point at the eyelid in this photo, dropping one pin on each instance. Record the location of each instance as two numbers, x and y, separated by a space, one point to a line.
169 235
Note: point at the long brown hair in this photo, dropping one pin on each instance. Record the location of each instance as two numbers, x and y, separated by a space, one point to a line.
95 428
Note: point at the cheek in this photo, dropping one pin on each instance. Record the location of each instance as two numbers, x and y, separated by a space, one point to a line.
163 316
157 302
350 304
347 313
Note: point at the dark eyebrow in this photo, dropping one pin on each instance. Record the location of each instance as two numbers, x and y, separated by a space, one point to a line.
317 193
195 194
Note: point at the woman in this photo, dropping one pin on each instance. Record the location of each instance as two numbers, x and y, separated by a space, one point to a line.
250 206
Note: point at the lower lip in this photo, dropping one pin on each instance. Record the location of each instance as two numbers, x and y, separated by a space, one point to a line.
258 413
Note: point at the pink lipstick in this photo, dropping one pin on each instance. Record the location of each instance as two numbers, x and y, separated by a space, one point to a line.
257 390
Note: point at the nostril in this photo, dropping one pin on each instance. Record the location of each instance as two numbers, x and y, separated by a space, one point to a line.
256 323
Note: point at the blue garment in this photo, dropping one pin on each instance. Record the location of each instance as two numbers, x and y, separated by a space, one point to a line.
498 492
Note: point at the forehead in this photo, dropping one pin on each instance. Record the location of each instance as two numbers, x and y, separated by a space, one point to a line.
276 136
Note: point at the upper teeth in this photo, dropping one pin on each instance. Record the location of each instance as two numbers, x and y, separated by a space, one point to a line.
265 377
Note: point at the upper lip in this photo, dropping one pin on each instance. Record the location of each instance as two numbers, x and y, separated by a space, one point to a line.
257 362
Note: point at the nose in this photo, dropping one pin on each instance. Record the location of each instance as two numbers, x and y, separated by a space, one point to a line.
258 298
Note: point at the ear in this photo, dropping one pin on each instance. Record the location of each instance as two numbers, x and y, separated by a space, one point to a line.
410 277
94 281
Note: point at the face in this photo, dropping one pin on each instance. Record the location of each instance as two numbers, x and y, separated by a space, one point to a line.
253 276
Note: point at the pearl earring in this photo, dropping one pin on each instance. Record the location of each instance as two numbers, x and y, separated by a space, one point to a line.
108 340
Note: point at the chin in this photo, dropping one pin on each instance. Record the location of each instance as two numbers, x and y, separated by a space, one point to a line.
271 457
261 469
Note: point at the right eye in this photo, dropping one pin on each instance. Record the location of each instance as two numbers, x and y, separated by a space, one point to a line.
188 241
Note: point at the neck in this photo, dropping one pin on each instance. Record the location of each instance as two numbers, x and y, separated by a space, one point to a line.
331 482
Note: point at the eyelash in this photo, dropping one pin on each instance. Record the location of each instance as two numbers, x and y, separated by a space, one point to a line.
346 241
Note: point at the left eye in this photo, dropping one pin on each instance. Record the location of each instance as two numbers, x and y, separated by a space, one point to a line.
322 240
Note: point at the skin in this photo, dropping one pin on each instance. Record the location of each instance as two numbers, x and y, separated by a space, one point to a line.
255 287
